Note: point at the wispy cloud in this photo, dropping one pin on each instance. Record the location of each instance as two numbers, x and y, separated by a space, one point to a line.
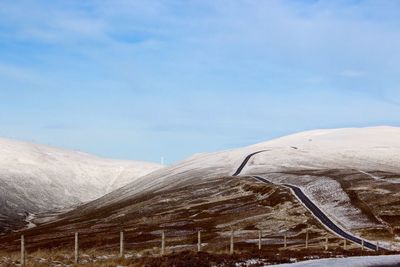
284 65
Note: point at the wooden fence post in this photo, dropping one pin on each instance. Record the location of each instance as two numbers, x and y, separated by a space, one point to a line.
285 241
121 245
76 254
231 247
162 243
345 244
362 244
377 245
307 238
259 239
198 241
22 250
326 243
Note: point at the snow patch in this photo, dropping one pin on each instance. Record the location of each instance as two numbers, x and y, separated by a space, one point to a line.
365 261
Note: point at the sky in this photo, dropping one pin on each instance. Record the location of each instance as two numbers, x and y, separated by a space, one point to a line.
144 79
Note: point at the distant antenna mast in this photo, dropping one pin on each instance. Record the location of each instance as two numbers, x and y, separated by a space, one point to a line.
162 160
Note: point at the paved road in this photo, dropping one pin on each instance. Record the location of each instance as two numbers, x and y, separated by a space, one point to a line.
239 170
311 207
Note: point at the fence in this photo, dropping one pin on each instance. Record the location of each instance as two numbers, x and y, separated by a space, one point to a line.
260 242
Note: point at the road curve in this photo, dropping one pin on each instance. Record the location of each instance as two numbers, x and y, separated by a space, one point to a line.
239 170
317 212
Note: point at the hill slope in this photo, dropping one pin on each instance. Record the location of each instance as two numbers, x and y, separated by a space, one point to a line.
363 149
351 174
345 171
36 178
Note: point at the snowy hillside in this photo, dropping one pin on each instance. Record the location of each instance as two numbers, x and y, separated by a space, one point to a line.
35 178
351 175
339 169
341 153
362 148
374 148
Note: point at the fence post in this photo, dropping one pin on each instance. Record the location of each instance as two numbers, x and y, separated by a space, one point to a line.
285 241
198 241
121 244
259 239
231 247
377 245
22 250
326 243
345 244
362 244
162 243
76 254
307 238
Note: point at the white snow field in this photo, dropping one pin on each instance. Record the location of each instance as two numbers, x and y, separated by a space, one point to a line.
360 149
36 178
365 261
364 149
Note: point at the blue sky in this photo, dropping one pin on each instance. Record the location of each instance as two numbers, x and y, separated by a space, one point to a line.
144 79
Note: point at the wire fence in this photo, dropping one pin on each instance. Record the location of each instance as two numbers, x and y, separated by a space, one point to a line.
257 239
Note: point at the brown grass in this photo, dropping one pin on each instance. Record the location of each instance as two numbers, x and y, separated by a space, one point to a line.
242 203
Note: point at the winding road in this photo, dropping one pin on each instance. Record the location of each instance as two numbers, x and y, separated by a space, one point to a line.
317 212
239 170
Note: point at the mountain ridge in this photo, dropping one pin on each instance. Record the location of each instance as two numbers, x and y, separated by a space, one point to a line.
36 178
356 187
282 158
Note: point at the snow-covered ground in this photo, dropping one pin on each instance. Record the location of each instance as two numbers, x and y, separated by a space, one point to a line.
368 149
29 220
80 177
36 178
375 148
365 261
360 148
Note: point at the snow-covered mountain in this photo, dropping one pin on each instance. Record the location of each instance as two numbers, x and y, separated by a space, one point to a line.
36 178
352 175
354 151
366 149
373 148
